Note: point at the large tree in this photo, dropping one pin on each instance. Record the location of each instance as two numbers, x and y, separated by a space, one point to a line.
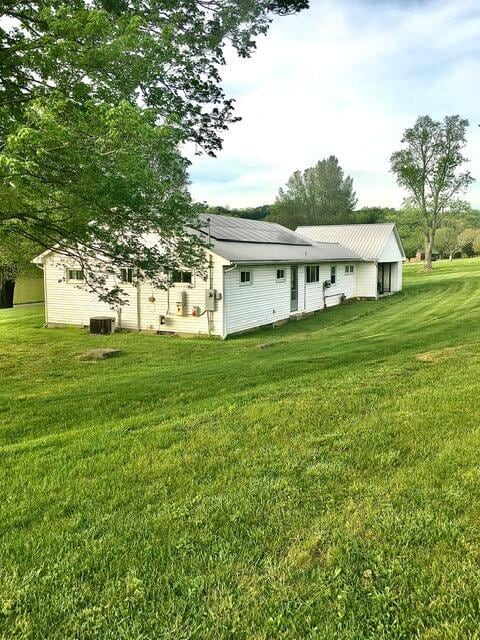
430 168
447 241
319 195
96 98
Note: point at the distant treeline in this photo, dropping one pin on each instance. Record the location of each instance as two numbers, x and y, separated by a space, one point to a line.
323 194
456 237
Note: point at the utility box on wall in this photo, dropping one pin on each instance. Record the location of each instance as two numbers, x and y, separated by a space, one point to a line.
210 298
181 304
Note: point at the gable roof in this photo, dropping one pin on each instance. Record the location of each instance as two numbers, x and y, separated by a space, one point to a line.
256 241
367 240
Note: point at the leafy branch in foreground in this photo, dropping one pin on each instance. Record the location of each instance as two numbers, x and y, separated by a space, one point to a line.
96 98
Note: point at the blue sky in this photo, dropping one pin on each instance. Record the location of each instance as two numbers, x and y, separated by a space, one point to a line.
346 78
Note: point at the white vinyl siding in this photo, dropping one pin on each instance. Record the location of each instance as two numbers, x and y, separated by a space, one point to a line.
399 276
264 302
366 279
312 296
391 251
75 305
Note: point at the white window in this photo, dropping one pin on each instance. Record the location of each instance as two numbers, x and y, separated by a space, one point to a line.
280 277
245 278
126 275
75 275
180 277
312 273
333 274
349 269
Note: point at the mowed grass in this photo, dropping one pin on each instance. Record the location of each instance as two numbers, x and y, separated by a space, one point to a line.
326 486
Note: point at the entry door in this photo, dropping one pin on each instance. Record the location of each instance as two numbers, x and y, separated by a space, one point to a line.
384 277
293 288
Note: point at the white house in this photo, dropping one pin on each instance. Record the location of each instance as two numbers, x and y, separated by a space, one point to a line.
377 244
259 273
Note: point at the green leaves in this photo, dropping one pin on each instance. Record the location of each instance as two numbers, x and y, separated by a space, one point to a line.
318 195
429 168
95 100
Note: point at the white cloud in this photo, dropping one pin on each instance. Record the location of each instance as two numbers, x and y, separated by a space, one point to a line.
344 78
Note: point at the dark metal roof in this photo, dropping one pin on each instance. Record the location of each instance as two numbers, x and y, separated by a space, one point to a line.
229 229
264 253
253 241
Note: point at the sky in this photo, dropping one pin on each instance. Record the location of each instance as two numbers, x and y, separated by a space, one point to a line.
345 77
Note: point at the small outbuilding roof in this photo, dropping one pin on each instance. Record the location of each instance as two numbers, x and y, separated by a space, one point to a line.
367 240
256 241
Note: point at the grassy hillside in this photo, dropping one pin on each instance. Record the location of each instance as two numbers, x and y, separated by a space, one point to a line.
327 486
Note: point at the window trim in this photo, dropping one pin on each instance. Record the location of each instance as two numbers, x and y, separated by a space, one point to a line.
247 283
317 273
282 278
72 270
349 269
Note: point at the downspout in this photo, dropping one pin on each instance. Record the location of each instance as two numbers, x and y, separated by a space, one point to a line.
304 286
210 279
210 285
139 312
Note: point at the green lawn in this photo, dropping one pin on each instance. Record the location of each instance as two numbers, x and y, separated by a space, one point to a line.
327 486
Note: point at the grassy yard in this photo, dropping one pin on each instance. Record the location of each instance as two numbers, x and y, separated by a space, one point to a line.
327 486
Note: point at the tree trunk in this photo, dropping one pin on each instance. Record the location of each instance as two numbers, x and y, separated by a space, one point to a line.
428 254
7 288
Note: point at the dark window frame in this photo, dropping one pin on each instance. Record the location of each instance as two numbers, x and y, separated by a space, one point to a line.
312 273
126 275
179 276
244 281
333 274
75 278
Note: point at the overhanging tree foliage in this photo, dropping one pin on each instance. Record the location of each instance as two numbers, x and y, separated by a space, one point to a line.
96 98
429 167
318 195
